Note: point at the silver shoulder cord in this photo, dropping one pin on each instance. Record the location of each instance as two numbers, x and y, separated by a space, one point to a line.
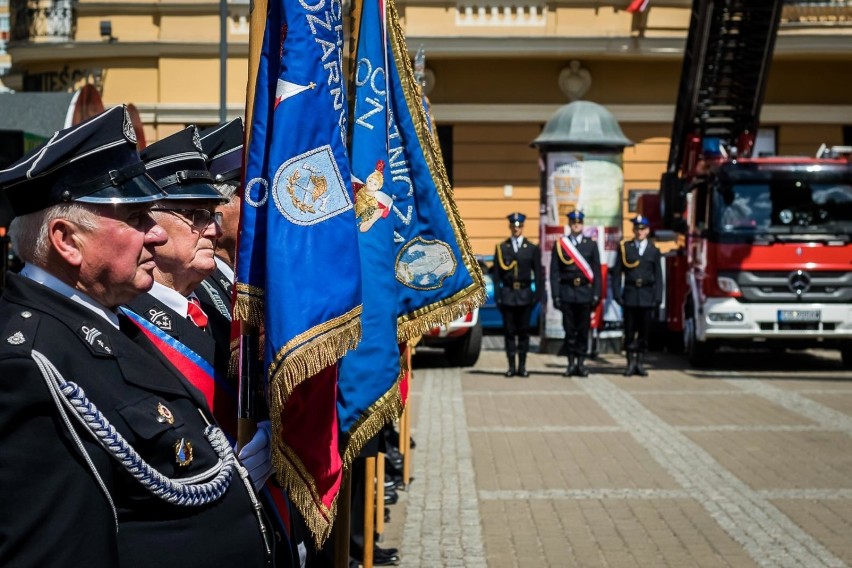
186 492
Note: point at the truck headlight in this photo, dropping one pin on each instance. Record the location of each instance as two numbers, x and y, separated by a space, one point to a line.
727 285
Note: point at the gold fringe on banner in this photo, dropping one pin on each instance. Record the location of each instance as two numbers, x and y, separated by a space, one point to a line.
249 305
383 411
293 476
312 351
440 313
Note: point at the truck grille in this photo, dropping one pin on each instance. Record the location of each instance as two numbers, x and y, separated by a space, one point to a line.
791 286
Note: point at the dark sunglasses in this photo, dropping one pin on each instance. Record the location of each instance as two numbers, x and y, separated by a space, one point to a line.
198 218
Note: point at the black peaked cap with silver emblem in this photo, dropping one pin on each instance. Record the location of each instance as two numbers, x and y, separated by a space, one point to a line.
223 147
177 165
95 161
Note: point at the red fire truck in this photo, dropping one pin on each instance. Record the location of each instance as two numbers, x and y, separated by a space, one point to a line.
765 253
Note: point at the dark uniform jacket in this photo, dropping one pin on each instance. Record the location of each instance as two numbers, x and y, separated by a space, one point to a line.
513 284
55 514
643 276
567 281
176 325
214 293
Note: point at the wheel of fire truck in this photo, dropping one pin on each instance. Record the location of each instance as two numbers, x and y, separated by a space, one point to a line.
698 353
464 352
674 341
846 356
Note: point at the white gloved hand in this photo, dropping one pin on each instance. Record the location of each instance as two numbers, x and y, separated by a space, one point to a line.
256 457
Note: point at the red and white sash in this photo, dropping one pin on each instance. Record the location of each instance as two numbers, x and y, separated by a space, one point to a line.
569 248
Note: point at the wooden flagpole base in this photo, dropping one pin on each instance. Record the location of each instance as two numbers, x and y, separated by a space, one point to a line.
380 495
369 509
341 524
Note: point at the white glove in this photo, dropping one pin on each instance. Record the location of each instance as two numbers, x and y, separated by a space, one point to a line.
256 457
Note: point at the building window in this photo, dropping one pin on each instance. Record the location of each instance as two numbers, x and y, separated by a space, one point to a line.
445 140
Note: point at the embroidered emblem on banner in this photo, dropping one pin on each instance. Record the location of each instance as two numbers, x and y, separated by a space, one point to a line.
95 338
423 265
262 192
160 318
309 188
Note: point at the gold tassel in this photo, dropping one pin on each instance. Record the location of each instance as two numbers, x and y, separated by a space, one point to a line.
249 304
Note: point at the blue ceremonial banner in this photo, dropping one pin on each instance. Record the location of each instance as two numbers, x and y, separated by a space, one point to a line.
298 269
437 276
368 390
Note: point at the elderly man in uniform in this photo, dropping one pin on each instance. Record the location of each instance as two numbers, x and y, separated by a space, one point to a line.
109 457
517 264
575 284
223 149
640 294
188 215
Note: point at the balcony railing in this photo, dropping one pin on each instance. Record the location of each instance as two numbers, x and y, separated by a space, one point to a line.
43 20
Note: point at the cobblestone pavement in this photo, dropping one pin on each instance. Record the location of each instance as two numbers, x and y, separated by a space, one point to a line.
748 464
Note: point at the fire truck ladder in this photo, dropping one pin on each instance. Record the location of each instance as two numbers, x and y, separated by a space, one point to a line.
725 66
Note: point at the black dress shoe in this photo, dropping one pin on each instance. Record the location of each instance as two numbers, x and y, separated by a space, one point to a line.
391 497
382 557
387 515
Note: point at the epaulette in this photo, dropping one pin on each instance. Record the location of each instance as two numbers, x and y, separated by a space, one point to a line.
20 332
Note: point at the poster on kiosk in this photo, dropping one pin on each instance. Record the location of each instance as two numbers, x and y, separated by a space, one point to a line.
592 182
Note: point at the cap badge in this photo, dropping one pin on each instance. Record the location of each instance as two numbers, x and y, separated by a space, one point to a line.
164 414
196 140
183 452
129 131
160 318
16 338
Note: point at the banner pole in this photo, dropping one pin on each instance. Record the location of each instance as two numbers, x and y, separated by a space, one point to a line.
341 523
369 509
405 424
380 495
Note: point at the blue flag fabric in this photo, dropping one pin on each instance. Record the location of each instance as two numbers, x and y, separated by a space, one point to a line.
368 391
437 276
298 267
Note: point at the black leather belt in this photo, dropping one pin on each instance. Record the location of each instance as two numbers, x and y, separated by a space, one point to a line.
519 285
576 282
639 283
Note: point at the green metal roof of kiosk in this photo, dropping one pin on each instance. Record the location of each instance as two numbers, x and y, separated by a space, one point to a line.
581 123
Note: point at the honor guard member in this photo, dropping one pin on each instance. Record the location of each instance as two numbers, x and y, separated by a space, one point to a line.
189 216
640 293
575 283
517 264
223 148
109 457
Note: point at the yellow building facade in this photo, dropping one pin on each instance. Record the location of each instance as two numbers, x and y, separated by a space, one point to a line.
495 72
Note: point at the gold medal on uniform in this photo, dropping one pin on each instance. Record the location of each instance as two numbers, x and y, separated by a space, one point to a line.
183 452
164 414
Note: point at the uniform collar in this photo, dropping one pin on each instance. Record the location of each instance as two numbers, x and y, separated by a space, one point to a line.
225 269
171 298
43 277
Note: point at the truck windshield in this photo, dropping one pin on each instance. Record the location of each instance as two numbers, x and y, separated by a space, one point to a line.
784 204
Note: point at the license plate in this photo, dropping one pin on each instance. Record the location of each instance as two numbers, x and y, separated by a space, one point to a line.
799 315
